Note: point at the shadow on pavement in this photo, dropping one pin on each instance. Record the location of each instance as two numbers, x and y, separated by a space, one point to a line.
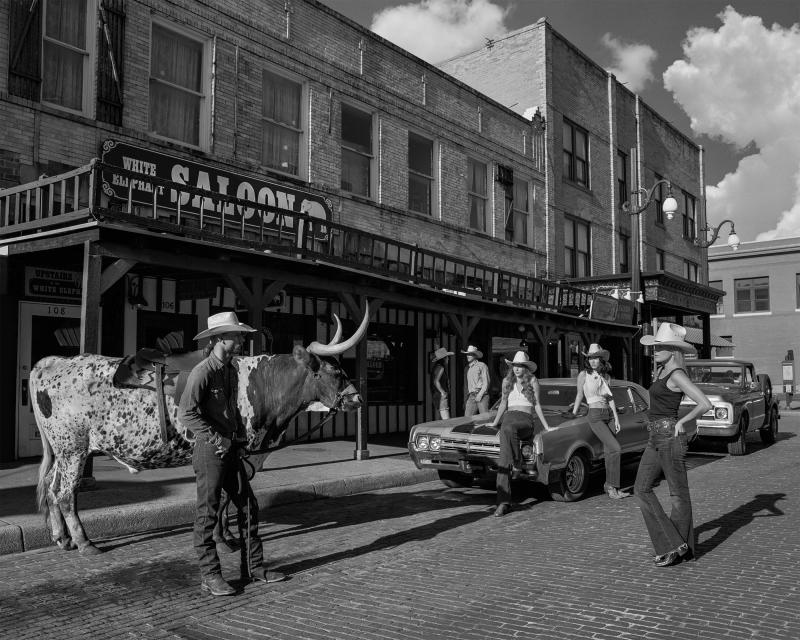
743 515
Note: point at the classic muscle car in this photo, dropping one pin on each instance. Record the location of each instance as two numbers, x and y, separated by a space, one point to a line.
743 403
465 450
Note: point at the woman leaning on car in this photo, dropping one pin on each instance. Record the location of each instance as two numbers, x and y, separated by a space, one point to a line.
603 419
673 536
515 415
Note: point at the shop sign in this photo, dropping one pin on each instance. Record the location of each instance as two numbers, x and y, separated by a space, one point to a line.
146 164
53 284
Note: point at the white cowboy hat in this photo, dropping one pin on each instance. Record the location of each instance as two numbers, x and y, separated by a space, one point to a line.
669 334
596 351
440 353
521 360
473 351
224 322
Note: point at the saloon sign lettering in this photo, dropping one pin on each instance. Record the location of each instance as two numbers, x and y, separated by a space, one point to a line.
146 164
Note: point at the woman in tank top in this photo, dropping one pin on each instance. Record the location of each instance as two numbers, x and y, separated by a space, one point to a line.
515 417
673 536
592 385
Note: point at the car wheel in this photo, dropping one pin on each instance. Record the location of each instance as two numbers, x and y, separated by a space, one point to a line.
766 387
769 434
738 447
455 479
573 480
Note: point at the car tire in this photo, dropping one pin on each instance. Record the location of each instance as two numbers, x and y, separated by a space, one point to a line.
573 480
455 479
766 387
738 447
770 432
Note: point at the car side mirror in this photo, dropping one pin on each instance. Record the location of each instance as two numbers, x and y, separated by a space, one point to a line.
755 386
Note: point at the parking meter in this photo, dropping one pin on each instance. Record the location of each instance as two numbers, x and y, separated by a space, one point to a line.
788 377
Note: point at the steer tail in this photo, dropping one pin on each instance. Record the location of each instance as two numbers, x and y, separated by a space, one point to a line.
44 471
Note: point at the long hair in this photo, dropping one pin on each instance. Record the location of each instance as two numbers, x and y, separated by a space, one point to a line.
604 369
527 384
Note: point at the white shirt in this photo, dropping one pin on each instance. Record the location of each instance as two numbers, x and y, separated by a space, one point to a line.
516 399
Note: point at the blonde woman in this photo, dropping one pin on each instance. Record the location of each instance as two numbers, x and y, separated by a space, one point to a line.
603 419
515 417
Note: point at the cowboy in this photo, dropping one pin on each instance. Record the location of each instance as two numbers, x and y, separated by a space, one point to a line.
477 382
209 409
440 382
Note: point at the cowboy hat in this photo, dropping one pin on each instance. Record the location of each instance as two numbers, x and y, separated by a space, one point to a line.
596 351
440 353
669 334
473 351
521 360
224 322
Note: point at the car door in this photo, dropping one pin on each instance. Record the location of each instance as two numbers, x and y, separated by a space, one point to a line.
755 398
632 417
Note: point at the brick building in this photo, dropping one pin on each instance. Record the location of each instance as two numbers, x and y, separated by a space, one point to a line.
163 159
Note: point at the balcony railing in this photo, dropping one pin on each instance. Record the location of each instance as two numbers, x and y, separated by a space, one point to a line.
64 199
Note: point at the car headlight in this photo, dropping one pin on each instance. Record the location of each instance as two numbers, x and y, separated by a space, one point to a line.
528 451
435 443
720 413
422 443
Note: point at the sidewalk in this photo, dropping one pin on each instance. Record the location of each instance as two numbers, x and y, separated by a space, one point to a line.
125 503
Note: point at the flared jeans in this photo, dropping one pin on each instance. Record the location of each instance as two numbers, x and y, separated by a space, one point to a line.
602 423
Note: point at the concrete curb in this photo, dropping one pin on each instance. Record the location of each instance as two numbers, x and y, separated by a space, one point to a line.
112 522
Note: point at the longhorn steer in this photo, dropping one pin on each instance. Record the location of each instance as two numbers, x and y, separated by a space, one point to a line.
78 411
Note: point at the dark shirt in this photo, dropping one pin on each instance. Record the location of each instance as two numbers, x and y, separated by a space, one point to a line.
444 380
208 404
664 402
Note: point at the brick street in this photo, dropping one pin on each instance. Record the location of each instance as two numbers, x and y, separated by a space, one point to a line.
427 562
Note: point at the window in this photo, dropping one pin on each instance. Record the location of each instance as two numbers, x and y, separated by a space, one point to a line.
660 260
688 216
751 294
690 270
624 253
658 198
717 284
518 221
622 178
67 40
576 154
356 150
280 123
177 87
476 189
420 173
576 253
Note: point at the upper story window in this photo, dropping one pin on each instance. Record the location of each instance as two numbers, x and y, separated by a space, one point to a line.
356 150
577 258
178 104
661 260
624 253
420 174
690 270
688 216
576 154
518 222
67 48
622 178
477 192
658 199
751 294
717 284
281 129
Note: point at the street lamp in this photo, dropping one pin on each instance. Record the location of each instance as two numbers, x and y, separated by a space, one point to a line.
733 239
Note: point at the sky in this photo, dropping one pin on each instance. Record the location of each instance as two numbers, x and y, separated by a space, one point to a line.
725 73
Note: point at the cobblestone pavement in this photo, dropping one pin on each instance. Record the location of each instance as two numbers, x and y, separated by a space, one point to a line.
427 563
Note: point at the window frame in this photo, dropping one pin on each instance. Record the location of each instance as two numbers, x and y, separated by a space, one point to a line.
717 284
88 92
524 214
430 179
204 113
302 116
751 299
478 196
661 260
344 146
622 178
658 199
691 270
689 221
573 271
570 159
624 248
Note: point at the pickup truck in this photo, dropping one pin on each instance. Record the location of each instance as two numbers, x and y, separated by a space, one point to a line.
743 403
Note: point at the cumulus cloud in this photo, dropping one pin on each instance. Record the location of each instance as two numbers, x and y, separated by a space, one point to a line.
633 63
740 83
436 30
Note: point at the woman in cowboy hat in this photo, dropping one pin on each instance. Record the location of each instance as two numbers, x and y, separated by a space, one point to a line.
515 415
603 419
440 382
673 536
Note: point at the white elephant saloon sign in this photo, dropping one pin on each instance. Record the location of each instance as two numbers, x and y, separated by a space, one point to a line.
147 179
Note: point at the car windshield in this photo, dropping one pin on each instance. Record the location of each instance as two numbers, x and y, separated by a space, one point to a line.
715 374
558 396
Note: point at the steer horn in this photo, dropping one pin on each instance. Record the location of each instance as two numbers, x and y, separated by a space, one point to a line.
338 333
336 349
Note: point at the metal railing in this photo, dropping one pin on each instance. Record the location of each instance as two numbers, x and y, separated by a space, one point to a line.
62 199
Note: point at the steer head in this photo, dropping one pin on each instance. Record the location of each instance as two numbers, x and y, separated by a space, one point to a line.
328 382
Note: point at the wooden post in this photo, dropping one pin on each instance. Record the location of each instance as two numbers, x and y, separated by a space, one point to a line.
90 326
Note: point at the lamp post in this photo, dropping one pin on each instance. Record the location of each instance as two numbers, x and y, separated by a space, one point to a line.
733 239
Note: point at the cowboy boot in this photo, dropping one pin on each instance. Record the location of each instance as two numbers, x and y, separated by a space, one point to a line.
264 574
215 585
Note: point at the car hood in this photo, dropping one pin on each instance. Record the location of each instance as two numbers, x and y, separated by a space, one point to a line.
719 392
479 424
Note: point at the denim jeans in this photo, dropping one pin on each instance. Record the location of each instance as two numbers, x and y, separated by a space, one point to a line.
441 406
516 426
665 454
602 423
213 474
474 406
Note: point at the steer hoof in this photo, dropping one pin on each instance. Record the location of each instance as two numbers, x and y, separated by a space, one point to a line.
90 550
65 544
